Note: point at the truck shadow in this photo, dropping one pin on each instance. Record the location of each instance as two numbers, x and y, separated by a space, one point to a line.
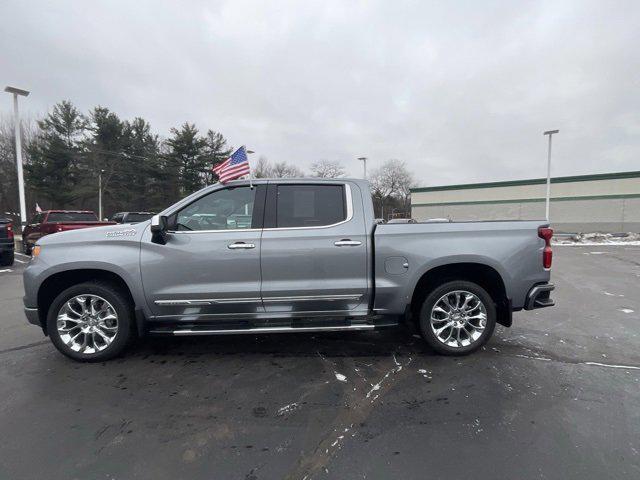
331 344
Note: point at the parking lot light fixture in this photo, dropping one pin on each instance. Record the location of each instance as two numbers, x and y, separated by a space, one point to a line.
23 93
550 133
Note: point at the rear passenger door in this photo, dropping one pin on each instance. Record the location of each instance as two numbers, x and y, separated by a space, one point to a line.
314 249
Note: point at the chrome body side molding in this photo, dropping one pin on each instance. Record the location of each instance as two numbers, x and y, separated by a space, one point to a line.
214 301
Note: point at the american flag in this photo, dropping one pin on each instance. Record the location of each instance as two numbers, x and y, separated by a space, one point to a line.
236 166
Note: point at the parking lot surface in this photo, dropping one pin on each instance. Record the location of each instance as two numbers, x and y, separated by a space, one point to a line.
556 396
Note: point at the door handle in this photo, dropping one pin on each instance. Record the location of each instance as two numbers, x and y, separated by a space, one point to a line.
347 243
241 245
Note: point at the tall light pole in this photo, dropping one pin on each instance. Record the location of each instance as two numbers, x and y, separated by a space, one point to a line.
23 208
364 163
550 133
100 194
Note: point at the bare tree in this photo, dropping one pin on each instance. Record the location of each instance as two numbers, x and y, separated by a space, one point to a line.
392 181
262 169
327 169
285 170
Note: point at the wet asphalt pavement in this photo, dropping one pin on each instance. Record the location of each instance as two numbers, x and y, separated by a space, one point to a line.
557 396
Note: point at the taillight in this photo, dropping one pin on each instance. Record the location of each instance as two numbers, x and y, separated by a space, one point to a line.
546 233
10 231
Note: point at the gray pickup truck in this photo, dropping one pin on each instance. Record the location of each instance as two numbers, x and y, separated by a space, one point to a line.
283 256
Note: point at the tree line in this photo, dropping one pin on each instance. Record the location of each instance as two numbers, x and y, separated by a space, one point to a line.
66 151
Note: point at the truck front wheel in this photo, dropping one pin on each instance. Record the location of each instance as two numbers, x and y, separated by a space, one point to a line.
457 318
91 322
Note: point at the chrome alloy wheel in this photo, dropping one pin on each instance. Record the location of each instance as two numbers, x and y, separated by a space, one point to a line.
87 323
458 318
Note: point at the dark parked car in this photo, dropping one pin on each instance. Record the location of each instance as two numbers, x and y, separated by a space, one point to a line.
6 242
52 221
131 217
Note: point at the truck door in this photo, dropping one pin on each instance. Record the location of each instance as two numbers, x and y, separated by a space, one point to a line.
209 268
314 249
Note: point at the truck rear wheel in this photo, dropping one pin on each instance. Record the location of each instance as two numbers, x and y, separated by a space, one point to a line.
457 318
91 322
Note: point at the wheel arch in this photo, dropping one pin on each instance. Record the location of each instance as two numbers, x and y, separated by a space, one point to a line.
480 273
56 283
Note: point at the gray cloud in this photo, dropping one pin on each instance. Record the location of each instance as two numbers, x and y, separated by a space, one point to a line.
460 91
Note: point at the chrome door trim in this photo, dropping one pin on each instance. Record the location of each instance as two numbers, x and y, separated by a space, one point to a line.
213 301
205 301
349 200
348 197
262 315
310 298
182 232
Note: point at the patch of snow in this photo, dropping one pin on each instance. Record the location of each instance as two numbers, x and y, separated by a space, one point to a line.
287 408
340 377
595 239
625 310
608 365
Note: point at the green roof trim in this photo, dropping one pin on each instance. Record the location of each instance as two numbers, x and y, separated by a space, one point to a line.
532 181
528 200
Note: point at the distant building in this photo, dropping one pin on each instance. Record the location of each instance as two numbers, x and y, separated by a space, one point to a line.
608 202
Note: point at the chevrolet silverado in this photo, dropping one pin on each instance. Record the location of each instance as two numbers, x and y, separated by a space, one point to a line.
295 255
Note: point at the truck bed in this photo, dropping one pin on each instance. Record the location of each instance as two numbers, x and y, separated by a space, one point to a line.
512 248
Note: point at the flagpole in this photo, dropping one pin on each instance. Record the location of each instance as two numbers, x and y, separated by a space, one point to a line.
247 152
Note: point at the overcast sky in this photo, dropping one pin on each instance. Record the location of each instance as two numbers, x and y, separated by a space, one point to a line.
461 91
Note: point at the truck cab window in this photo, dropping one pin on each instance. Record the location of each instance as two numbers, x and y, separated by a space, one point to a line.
310 205
228 209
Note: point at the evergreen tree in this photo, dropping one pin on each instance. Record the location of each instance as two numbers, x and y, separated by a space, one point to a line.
187 151
56 167
216 151
105 153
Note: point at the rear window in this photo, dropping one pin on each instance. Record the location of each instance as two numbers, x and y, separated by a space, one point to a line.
71 217
310 205
137 217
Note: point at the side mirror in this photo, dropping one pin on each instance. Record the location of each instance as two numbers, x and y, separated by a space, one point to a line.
159 229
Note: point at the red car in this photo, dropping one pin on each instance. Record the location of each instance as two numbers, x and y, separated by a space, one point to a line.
52 221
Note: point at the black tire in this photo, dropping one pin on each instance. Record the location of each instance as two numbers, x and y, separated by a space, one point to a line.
26 249
424 321
6 259
122 306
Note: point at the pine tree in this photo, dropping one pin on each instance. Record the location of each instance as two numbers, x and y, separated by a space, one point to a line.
216 151
56 164
187 151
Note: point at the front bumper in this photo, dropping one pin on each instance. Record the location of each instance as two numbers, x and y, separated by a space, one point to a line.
31 313
540 296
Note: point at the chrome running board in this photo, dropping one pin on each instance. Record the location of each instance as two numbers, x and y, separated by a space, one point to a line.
236 331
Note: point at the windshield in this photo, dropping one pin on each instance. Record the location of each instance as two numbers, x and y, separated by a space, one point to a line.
71 217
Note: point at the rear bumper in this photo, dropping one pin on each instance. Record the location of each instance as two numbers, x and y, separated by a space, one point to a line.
6 246
540 296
